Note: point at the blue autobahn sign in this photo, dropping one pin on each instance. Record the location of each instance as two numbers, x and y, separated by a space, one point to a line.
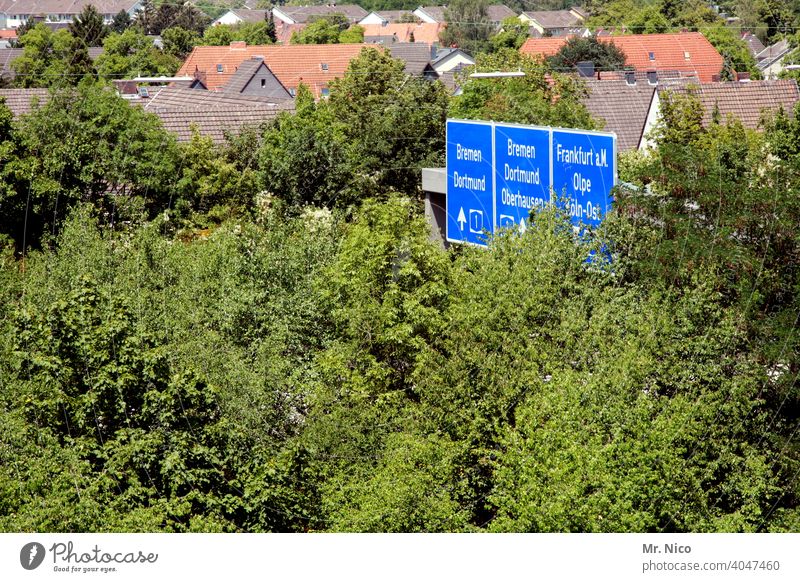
497 173
584 171
470 182
522 173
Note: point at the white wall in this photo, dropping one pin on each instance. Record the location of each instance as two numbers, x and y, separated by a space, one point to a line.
228 18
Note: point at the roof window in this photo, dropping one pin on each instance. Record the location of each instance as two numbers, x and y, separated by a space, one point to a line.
652 77
220 68
324 66
292 92
652 56
325 92
687 55
630 77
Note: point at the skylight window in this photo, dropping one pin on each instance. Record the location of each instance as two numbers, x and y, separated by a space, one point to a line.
324 66
652 56
220 68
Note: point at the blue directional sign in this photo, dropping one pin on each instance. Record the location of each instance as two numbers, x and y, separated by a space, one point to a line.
584 170
522 173
470 182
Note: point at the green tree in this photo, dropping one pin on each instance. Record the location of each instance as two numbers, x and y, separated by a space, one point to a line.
735 53
253 33
122 21
605 55
539 97
512 34
353 35
51 59
179 42
84 144
324 30
132 54
88 27
469 28
648 20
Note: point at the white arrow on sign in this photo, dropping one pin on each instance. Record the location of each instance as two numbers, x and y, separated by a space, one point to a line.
461 220
522 226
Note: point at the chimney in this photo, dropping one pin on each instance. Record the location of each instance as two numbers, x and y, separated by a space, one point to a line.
585 69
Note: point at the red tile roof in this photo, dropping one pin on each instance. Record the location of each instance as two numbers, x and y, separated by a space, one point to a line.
682 51
313 65
545 47
424 32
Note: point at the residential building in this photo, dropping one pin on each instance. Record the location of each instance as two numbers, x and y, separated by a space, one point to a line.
304 14
436 14
754 45
624 108
389 17
450 59
241 15
313 65
770 60
180 109
553 22
431 14
14 13
423 32
688 52
745 101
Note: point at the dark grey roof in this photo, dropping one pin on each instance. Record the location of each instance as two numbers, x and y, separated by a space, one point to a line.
212 113
746 101
6 56
250 15
396 15
299 14
435 12
21 101
244 73
772 53
623 107
499 12
417 56
753 43
554 18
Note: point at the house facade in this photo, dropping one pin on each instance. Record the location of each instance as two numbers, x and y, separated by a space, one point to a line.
14 13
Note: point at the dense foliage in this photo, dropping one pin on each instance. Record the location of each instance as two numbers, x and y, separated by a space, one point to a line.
261 336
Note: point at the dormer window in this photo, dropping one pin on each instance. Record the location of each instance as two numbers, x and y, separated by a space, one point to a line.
630 77
220 68
652 77
324 66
